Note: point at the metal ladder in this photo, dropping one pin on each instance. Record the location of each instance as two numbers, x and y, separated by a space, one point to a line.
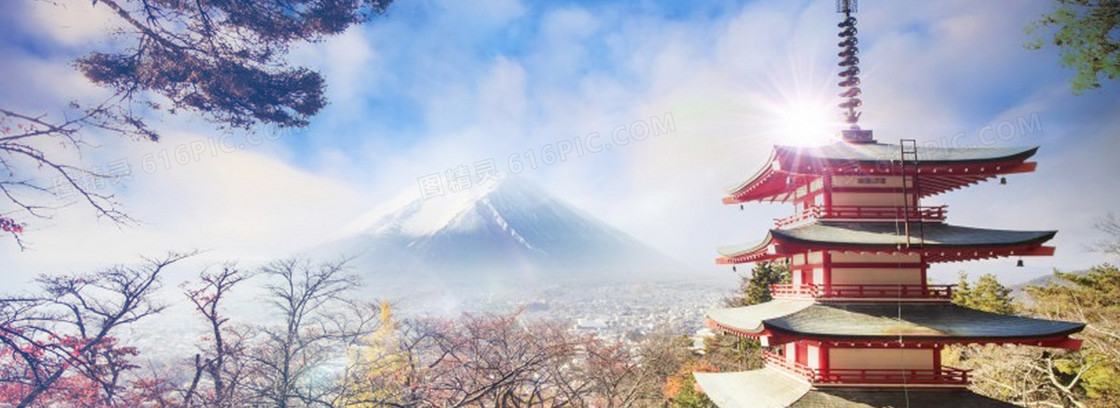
908 154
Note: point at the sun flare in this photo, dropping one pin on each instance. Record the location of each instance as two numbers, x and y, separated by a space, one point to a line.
805 122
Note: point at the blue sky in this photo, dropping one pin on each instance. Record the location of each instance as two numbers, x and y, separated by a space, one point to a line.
438 84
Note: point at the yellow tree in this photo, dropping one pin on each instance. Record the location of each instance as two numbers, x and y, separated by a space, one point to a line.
380 370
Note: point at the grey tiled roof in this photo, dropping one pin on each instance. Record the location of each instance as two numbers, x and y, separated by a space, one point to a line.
885 320
743 249
770 389
750 321
889 235
868 152
941 235
758 388
850 398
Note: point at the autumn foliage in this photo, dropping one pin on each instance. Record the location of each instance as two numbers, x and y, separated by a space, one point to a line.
10 225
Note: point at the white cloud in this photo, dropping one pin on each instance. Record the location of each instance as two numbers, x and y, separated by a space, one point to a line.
37 84
932 69
235 205
502 97
351 66
73 23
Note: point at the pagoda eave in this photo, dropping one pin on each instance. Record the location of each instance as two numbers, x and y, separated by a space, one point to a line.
933 255
842 153
770 387
877 324
789 168
936 242
772 337
947 171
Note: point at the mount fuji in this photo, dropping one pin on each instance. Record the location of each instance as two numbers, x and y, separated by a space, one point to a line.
501 232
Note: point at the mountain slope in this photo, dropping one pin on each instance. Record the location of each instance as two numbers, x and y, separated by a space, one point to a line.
498 231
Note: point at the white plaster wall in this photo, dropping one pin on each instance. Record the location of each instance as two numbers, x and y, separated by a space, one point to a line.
874 258
869 199
843 358
876 276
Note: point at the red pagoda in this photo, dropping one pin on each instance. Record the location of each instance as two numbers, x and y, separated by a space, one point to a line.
860 325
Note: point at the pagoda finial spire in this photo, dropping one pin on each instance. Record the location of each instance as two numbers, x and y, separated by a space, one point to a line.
849 74
849 62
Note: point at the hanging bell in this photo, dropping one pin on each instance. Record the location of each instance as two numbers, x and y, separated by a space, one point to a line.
734 269
1019 263
1003 181
741 207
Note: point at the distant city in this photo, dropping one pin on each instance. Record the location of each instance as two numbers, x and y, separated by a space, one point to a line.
624 312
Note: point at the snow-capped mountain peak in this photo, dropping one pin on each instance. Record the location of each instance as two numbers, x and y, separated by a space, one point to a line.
410 214
507 225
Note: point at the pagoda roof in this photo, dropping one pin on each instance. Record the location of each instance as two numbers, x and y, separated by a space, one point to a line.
764 387
879 152
768 387
941 169
940 241
858 321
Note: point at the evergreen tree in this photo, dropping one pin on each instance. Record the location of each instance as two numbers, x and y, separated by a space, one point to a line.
1092 297
1032 376
987 295
755 288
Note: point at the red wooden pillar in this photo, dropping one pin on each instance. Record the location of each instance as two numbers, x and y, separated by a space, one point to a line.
826 260
822 359
924 268
827 193
802 353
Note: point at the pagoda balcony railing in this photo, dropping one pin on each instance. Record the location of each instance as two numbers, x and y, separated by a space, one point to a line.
881 291
865 213
777 360
897 376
